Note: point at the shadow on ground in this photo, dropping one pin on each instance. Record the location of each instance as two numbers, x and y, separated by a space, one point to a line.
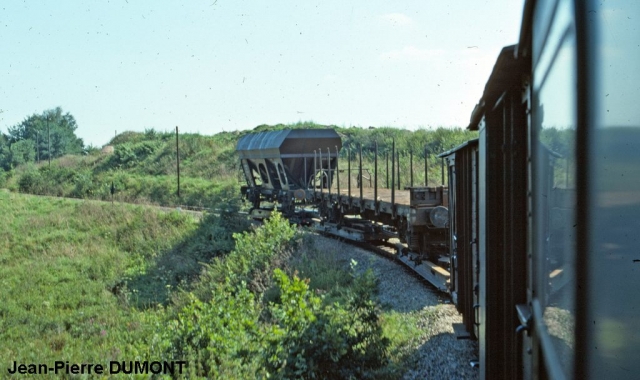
179 267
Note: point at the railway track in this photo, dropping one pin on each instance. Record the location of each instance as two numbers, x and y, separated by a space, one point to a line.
393 250
435 351
390 247
384 242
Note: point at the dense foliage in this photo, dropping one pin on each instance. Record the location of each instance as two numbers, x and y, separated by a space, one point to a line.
141 169
94 282
335 341
40 137
229 327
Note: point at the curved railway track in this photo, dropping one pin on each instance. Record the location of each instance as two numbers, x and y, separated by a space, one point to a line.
434 352
397 252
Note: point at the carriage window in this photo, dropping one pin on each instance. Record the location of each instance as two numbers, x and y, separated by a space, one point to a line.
554 180
614 257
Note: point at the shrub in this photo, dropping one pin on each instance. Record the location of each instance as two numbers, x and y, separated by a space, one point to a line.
218 328
146 148
228 333
331 342
124 156
219 337
83 185
31 181
256 253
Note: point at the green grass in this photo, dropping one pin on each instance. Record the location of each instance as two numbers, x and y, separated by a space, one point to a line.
404 333
60 262
91 282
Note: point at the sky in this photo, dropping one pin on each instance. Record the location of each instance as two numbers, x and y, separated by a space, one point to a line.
224 65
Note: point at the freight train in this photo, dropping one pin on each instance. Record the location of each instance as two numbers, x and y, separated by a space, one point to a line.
536 235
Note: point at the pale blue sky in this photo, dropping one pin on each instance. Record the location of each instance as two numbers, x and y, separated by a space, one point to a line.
216 65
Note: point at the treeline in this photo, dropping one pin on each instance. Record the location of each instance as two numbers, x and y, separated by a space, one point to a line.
44 136
143 165
435 141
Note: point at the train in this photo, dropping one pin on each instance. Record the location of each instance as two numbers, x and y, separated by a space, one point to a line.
535 235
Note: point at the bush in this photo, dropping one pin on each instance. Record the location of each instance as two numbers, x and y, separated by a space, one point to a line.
228 333
83 185
255 255
219 338
331 342
31 181
218 330
124 156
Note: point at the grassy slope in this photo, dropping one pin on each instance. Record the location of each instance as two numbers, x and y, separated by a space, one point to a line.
61 262
142 170
143 166
82 281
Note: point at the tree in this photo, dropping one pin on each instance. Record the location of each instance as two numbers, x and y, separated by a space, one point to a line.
18 153
22 152
5 152
54 123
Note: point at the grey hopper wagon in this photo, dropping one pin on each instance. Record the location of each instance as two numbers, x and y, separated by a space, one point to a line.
280 166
